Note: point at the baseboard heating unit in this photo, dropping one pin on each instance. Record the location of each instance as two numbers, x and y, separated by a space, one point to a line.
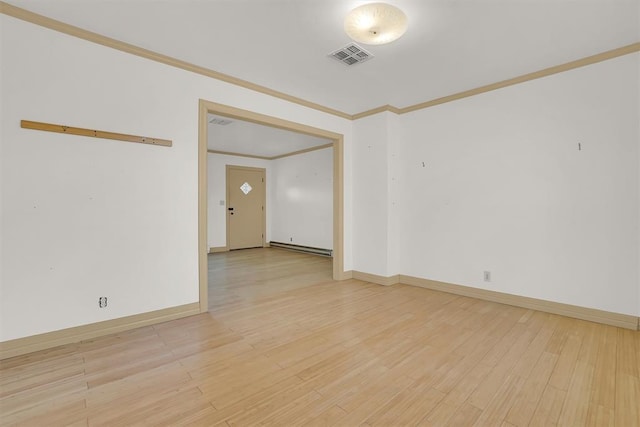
299 248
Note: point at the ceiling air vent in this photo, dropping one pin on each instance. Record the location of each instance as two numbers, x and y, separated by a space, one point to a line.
220 121
351 54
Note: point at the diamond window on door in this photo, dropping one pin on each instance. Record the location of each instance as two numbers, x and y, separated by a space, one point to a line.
246 188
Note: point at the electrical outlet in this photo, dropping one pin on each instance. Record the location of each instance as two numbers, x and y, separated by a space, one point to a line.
487 276
102 302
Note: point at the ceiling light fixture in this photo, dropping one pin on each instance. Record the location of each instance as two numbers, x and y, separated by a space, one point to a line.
375 23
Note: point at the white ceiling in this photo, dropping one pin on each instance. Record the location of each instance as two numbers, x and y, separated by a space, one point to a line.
450 46
248 138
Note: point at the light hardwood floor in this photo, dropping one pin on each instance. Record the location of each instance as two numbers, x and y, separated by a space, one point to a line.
286 345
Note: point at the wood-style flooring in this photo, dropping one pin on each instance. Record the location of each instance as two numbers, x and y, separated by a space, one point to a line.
285 345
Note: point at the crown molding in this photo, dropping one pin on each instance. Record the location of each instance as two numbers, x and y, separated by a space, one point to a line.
377 110
232 153
589 60
279 156
593 59
52 24
62 27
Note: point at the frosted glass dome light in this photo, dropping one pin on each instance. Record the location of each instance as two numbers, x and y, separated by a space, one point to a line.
375 23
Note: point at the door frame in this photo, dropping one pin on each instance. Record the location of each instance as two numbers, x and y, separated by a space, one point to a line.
205 107
264 200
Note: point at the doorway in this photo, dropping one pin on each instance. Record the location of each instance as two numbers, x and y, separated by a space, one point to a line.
207 107
246 201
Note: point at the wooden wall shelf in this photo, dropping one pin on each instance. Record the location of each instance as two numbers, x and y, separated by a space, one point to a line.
48 127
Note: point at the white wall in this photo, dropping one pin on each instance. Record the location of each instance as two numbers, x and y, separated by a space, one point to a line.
217 191
505 189
394 172
302 208
299 197
371 195
84 217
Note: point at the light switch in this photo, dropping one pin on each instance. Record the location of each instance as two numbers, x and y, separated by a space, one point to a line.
221 202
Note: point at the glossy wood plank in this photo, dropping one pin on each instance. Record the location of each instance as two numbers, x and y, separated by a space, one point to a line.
283 344
49 127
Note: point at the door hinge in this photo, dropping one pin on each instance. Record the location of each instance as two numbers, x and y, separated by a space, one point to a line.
262 179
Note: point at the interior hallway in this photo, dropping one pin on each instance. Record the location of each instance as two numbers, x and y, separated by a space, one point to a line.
285 345
239 277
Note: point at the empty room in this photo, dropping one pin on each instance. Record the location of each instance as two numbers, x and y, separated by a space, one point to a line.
444 203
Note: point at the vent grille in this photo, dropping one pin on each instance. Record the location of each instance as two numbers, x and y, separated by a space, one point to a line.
351 54
220 121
